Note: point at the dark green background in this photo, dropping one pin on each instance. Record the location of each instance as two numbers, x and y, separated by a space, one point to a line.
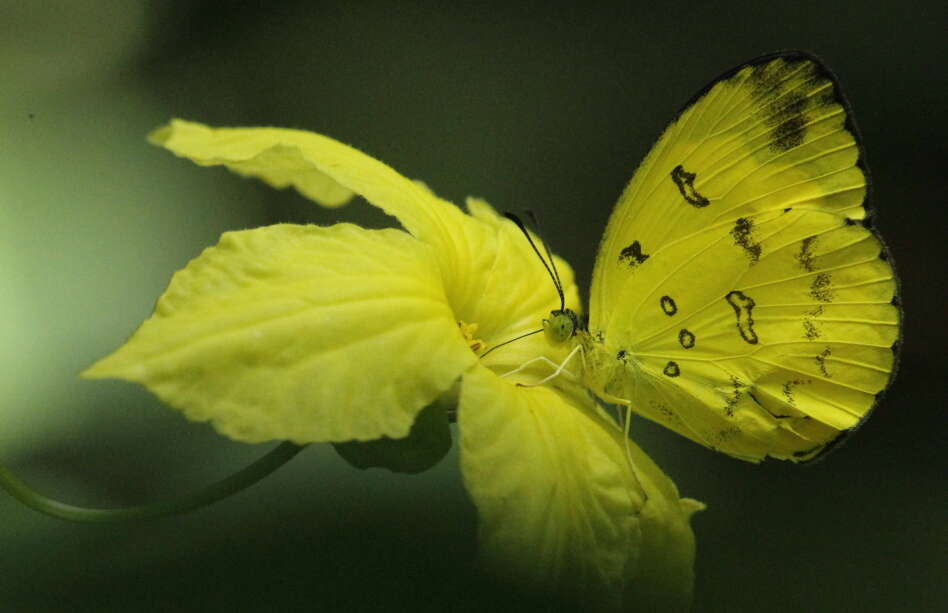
531 106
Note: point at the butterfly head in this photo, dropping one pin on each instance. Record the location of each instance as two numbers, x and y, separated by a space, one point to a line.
561 326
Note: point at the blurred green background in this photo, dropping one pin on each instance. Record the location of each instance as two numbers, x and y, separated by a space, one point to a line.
526 106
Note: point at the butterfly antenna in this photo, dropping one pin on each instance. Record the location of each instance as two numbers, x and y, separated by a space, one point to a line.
510 341
551 271
546 247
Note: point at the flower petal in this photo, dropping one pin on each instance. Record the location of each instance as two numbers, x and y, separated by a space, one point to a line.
321 168
490 274
558 507
303 333
560 511
663 578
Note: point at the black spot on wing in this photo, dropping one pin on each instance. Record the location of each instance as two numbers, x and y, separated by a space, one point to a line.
783 109
671 369
686 338
622 355
790 129
821 361
685 181
743 306
741 232
805 256
764 79
725 435
632 255
788 392
668 305
666 413
810 331
821 288
734 396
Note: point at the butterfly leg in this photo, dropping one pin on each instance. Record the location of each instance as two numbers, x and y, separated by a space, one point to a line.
557 368
528 363
627 439
625 426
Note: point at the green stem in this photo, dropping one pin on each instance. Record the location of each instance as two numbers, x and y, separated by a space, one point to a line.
216 491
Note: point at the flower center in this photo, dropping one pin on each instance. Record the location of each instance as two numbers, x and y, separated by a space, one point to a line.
468 331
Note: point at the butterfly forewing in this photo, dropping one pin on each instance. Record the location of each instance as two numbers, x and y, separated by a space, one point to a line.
746 305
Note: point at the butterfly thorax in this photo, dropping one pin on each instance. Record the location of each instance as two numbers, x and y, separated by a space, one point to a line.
603 373
605 369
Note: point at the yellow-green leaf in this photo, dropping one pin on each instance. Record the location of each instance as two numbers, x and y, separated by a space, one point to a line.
303 333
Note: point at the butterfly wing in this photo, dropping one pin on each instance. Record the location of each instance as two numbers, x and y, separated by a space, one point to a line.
739 293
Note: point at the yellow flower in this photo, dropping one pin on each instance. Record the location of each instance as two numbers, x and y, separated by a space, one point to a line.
339 333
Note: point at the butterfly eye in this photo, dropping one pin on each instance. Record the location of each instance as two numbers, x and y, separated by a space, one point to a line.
559 328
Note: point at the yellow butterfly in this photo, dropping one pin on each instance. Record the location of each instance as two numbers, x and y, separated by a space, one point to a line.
740 296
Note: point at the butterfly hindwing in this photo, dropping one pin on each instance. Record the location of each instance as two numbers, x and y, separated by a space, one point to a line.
744 302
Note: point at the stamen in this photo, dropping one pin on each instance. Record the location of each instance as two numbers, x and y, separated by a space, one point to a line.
468 331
